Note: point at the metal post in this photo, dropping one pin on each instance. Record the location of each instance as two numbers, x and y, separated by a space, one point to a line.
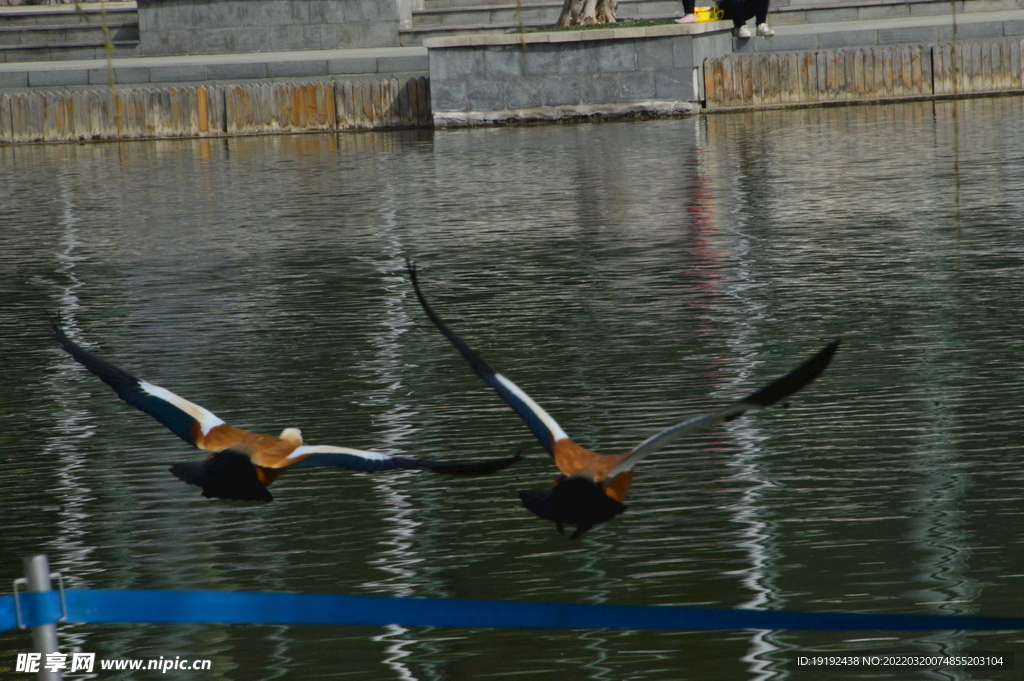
37 573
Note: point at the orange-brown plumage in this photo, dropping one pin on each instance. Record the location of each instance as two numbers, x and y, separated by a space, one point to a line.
242 463
592 486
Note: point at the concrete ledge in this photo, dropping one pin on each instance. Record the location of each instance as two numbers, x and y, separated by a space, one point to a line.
563 113
213 69
486 39
892 31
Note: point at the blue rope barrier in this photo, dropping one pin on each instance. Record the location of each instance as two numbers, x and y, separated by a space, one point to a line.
239 607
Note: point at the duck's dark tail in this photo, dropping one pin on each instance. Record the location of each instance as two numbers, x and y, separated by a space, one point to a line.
573 501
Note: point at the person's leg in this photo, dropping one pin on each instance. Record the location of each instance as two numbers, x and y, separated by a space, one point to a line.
760 10
734 10
688 16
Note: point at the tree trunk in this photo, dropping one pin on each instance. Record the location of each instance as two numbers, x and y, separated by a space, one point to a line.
582 12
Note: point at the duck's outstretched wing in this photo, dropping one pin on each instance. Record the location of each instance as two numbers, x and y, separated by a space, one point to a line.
189 421
544 428
311 456
775 391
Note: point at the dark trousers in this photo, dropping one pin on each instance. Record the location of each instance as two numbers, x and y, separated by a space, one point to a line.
742 10
688 6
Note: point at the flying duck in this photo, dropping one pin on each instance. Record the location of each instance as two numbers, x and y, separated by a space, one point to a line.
243 464
592 487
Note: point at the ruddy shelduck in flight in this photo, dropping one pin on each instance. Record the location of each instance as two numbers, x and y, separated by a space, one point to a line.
243 464
592 487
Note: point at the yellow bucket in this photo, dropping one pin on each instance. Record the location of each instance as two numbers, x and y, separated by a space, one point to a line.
709 13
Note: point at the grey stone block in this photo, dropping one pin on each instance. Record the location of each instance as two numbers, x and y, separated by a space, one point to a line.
881 12
377 34
541 60
178 42
241 13
575 58
710 46
1015 27
300 12
58 77
600 88
561 90
353 66
184 73
638 86
152 43
456 64
13 79
682 54
931 9
182 15
848 38
919 34
356 11
131 74
485 95
828 16
504 62
449 95
244 71
312 37
374 10
614 56
219 15
656 53
333 11
742 45
402 64
245 40
675 85
270 13
786 43
296 69
973 31
524 93
335 36
102 76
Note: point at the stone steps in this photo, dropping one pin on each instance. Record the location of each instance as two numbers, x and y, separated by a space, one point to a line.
444 18
61 32
790 12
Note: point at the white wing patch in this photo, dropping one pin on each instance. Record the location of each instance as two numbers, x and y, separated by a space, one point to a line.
207 419
306 450
556 431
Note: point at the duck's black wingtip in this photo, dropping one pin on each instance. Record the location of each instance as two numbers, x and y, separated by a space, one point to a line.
467 468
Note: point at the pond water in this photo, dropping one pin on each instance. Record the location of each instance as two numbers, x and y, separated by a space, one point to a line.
626 275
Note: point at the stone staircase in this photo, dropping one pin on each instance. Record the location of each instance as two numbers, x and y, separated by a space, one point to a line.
62 32
441 18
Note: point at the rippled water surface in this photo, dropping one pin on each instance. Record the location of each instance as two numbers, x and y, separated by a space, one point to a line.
626 275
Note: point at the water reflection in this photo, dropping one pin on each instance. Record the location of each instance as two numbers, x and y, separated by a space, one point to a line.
626 275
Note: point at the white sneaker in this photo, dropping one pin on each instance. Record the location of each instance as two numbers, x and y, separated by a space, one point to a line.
742 32
765 30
